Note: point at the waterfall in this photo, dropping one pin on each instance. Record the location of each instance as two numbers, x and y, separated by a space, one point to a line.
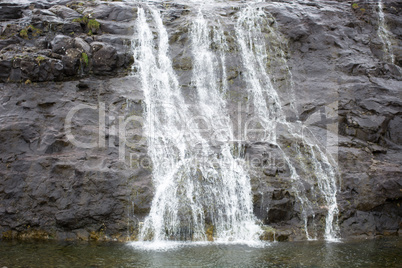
202 184
251 31
168 143
231 199
384 35
202 192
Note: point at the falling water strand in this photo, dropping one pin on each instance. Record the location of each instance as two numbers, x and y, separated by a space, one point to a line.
277 65
231 200
199 185
384 34
264 96
250 28
167 143
319 168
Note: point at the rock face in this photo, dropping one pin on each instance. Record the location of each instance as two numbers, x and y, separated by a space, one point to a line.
73 161
54 43
70 181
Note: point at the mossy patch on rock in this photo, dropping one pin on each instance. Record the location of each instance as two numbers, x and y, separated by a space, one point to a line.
8 235
84 57
24 33
28 234
92 25
268 233
210 233
30 31
39 59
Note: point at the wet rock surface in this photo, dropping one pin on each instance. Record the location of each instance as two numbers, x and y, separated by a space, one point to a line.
70 180
52 61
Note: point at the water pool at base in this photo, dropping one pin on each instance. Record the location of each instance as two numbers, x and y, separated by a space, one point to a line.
386 252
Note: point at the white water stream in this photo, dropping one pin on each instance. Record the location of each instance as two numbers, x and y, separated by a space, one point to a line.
199 185
268 108
202 188
384 34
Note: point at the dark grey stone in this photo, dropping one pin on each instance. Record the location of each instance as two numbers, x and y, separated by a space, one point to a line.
338 66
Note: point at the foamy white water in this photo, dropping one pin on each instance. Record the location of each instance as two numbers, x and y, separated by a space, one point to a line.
269 110
202 188
197 187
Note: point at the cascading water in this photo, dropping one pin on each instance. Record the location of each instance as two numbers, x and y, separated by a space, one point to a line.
167 142
202 186
269 110
232 213
384 35
199 185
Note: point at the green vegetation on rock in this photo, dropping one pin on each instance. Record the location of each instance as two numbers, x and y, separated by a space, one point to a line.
39 59
83 20
93 24
35 32
24 33
84 58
